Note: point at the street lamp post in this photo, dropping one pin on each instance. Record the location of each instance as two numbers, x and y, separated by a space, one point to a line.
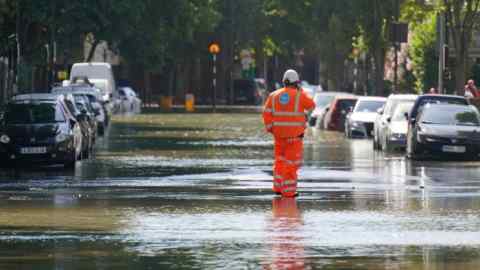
214 49
441 52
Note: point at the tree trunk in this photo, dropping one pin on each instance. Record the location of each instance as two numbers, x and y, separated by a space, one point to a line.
460 72
379 72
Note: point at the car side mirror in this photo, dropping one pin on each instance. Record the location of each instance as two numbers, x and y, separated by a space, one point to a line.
327 109
406 116
380 111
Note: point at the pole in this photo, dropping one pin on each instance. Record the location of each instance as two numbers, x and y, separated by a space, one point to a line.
214 99
19 54
396 41
441 50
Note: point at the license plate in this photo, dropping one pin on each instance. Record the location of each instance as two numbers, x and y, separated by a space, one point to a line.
33 150
454 149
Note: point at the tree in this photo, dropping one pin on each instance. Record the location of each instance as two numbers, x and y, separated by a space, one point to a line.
462 19
423 43
374 19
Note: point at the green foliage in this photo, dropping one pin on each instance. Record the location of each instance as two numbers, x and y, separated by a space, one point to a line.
422 52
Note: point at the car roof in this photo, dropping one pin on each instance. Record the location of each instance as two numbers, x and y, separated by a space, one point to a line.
447 106
440 96
372 99
37 96
93 64
346 97
403 96
323 93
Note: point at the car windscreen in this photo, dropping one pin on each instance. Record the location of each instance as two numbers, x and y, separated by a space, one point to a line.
368 106
450 116
400 110
323 100
17 114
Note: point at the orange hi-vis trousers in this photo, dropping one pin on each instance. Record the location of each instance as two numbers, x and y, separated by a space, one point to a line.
288 159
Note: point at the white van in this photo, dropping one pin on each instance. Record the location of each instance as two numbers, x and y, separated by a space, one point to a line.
97 73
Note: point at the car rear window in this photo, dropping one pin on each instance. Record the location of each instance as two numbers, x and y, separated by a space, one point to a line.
450 116
368 106
323 100
33 114
344 104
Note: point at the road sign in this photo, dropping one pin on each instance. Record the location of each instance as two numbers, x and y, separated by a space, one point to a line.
214 48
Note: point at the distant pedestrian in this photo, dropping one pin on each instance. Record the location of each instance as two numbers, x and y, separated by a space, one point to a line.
433 91
471 89
284 117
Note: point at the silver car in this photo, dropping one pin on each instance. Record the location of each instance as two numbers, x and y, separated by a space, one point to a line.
381 121
395 136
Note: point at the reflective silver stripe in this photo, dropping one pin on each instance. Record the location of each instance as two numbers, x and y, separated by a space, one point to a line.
297 101
273 104
277 184
288 114
267 110
289 190
289 182
288 124
277 176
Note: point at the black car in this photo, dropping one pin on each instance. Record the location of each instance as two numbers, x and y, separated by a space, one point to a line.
247 92
39 128
445 130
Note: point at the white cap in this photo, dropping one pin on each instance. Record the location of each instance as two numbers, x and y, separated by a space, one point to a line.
291 76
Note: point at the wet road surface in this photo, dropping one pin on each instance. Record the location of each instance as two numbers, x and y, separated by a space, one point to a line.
192 191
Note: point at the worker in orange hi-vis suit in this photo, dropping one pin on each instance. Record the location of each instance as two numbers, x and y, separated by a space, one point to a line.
284 117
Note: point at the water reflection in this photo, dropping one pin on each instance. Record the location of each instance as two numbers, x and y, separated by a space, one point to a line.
285 235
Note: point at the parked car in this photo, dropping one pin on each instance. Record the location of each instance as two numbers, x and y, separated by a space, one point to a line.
39 128
395 135
100 74
247 92
381 124
126 101
322 103
445 130
359 123
337 113
93 96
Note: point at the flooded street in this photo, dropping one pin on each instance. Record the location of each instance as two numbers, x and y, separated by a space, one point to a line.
193 191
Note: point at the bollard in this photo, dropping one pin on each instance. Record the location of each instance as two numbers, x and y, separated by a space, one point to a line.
189 102
166 103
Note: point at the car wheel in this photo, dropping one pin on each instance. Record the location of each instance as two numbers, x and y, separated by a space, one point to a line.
101 130
71 160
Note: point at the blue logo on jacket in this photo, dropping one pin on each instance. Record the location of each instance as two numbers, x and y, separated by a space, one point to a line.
284 99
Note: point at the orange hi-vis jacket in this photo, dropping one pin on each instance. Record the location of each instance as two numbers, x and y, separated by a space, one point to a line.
284 112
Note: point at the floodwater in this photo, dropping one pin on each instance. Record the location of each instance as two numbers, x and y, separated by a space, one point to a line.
192 191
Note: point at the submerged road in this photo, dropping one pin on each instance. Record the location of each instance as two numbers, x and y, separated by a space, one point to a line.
192 191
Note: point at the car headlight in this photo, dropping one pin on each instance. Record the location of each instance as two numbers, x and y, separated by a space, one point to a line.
397 136
357 124
61 138
4 139
430 139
